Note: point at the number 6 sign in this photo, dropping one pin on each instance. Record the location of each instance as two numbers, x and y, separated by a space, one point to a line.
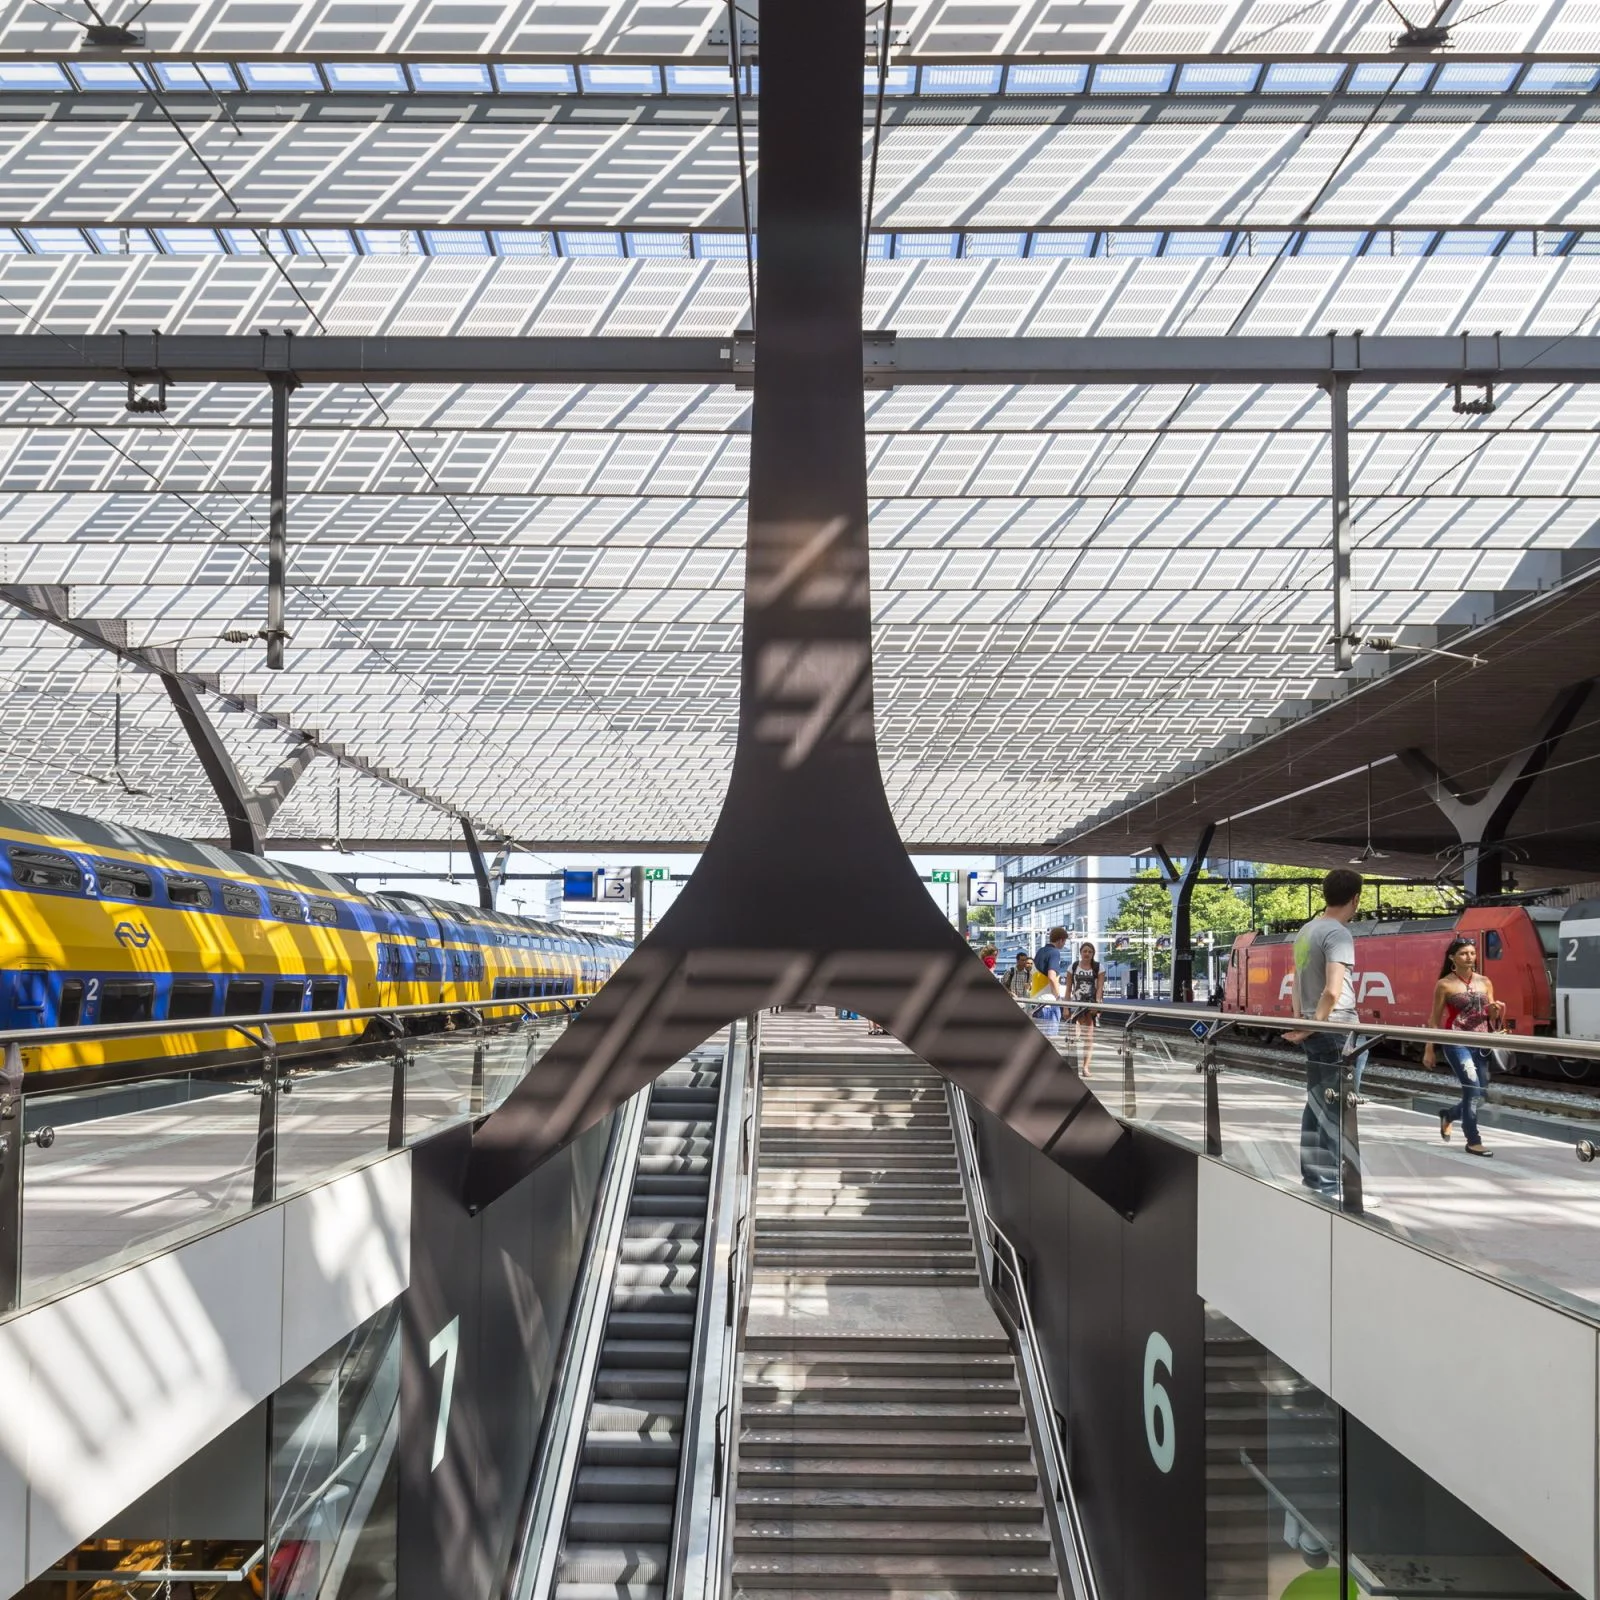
1159 1431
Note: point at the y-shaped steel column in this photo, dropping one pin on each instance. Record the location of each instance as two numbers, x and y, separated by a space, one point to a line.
805 892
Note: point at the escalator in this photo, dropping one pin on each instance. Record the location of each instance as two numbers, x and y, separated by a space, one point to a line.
619 1524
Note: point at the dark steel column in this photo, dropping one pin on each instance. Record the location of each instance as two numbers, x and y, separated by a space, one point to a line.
1344 655
805 892
244 831
1482 824
282 383
480 869
1180 886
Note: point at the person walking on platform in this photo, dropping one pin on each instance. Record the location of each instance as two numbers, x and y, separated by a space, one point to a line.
1019 980
1324 959
1049 964
1472 1008
1086 985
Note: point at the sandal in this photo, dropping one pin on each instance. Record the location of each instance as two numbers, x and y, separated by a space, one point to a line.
1446 1123
1477 1150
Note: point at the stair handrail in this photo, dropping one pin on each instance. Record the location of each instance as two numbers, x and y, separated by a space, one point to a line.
694 1523
531 1575
1000 1255
724 1466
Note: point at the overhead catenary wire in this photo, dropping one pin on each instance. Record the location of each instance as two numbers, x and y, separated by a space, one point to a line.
584 689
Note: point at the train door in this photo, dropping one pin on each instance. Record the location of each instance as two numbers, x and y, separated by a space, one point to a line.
28 1002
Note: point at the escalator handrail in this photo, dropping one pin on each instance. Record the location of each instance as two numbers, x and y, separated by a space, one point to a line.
689 1556
998 1251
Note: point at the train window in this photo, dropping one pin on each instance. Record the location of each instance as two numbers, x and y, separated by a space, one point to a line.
127 1000
241 899
427 964
286 907
40 869
120 880
191 997
325 994
288 994
70 1011
188 891
326 912
244 997
1492 950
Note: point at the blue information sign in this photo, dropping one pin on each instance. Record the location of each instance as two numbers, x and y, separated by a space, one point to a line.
577 883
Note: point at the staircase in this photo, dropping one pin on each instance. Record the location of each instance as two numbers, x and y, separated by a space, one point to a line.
619 1524
883 1447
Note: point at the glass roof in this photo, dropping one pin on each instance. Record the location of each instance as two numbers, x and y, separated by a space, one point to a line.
527 600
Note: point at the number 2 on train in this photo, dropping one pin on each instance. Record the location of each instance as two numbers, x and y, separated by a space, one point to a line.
1159 1432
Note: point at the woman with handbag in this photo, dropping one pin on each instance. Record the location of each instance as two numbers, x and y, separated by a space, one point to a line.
1464 1002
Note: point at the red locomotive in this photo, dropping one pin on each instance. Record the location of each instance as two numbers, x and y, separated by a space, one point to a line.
1397 965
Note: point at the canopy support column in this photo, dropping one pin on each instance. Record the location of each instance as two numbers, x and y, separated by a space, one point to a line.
480 868
244 829
1180 888
282 384
1481 825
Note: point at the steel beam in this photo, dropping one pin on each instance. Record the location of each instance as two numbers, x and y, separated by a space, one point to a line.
886 360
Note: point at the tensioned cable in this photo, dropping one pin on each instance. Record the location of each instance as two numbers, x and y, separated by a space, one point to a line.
1121 497
737 67
884 37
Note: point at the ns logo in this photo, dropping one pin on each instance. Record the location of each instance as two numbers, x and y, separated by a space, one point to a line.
132 935
1368 986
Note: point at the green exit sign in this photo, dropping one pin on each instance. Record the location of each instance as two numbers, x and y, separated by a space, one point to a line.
941 875
655 874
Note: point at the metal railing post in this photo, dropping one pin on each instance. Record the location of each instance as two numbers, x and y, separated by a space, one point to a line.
1208 1065
12 1145
1350 1197
1130 1095
479 1048
397 1099
265 1187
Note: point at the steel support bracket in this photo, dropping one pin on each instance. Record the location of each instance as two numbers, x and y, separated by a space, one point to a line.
147 380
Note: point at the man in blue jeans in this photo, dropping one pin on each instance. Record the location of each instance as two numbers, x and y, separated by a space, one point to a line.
1049 971
1324 961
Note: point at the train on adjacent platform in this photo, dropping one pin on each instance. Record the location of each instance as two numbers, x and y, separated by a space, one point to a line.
1544 963
102 924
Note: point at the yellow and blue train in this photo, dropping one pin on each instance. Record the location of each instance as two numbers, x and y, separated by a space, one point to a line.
101 924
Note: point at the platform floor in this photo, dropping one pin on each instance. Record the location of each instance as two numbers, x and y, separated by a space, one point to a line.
1530 1215
119 1187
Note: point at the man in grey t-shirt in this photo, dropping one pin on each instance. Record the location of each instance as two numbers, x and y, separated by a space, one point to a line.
1324 963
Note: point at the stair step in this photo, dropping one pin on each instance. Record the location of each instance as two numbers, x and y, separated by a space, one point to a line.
802 1411
813 1536
919 1391
648 1383
855 1475
632 1562
634 1485
896 1573
667 1353
908 1444
604 1521
871 1365
914 1505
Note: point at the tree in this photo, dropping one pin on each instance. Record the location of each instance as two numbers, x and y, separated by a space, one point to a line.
1276 908
1147 908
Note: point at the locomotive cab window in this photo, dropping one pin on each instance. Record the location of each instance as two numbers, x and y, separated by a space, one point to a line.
191 997
285 906
241 900
244 997
1491 949
194 892
42 869
127 1000
120 880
